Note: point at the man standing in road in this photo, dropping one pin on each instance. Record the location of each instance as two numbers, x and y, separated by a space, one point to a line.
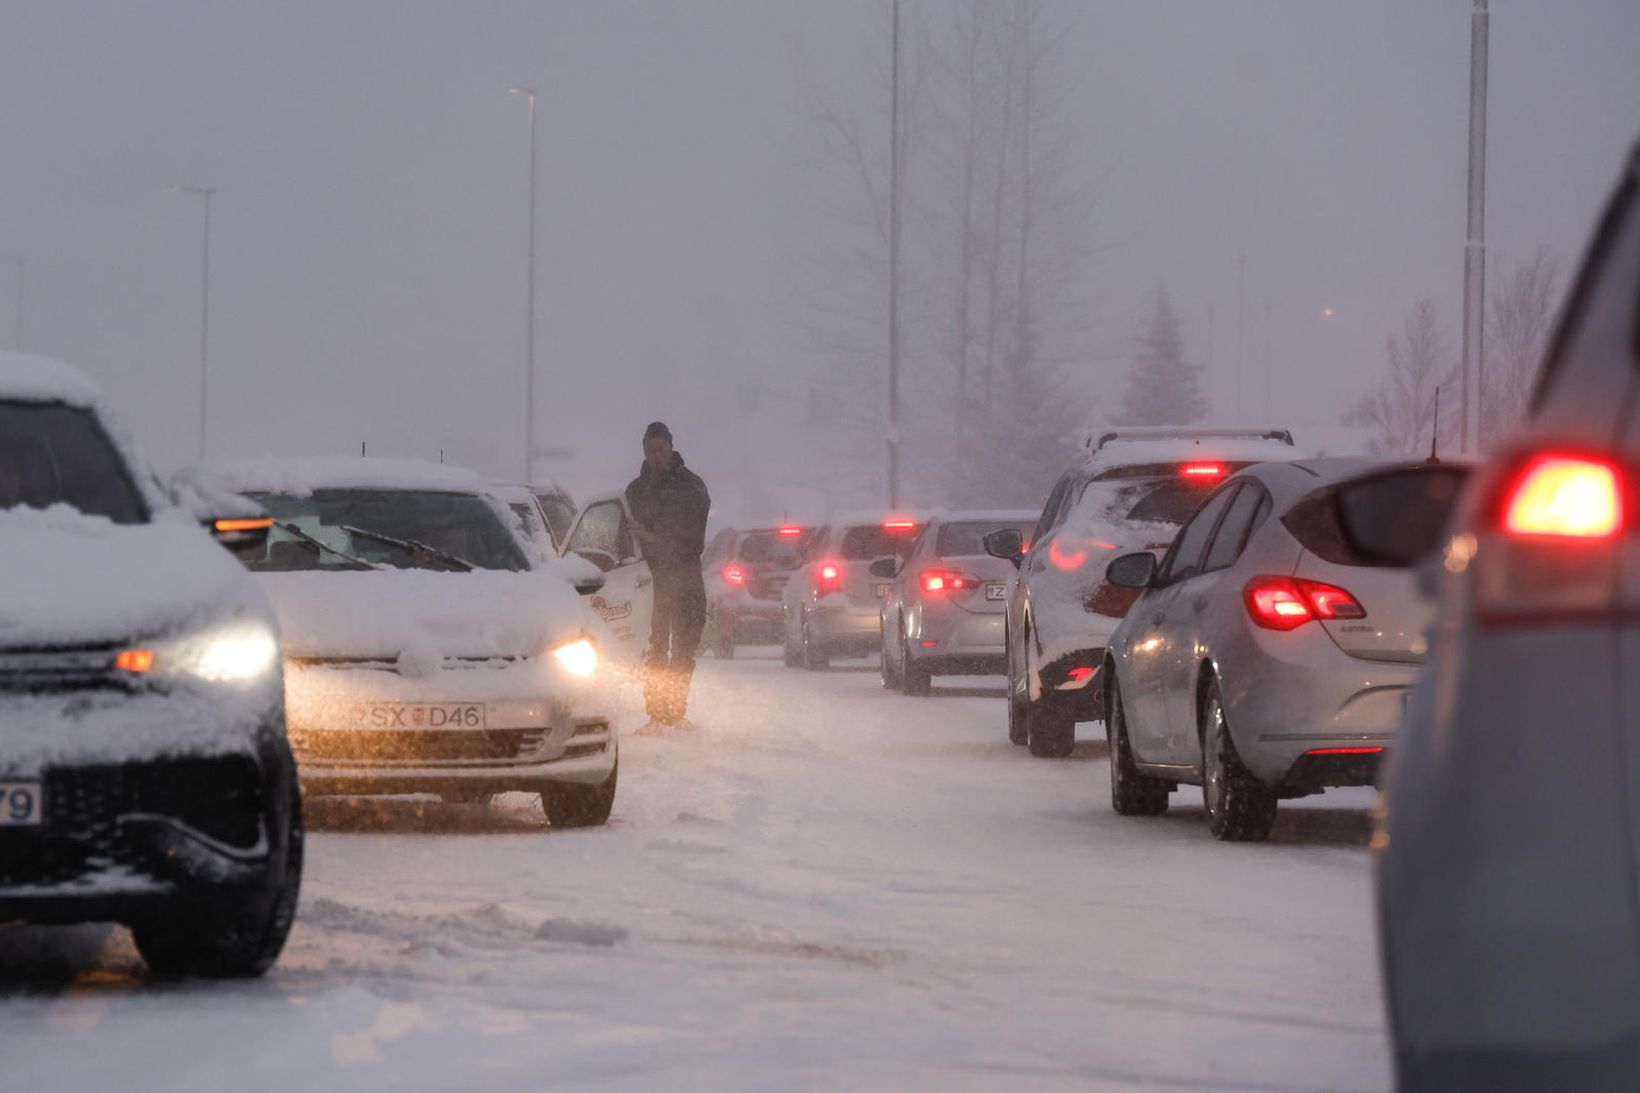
669 503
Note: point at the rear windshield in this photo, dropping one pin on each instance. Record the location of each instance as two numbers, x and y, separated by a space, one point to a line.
1393 518
768 549
873 541
51 454
965 538
1165 501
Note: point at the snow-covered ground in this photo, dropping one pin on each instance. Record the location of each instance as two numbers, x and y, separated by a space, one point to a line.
827 887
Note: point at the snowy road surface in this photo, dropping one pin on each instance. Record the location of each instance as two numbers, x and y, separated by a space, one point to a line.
827 887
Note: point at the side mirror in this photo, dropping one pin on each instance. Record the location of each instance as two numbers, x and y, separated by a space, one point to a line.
1134 570
1007 544
600 558
888 566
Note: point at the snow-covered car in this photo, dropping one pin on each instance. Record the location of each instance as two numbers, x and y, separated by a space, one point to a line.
943 611
526 509
830 603
1510 846
1130 490
425 650
145 776
745 572
559 509
1266 656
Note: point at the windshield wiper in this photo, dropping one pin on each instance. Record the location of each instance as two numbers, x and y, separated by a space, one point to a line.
413 547
316 546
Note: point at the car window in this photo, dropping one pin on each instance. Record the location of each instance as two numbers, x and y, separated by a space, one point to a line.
603 528
1399 516
1168 500
1245 513
769 549
51 454
966 538
1185 558
1054 506
559 511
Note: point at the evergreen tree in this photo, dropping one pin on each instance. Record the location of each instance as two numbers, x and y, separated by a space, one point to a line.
1162 388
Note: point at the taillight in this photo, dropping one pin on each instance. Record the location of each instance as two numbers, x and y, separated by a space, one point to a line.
899 524
1551 541
828 578
734 575
945 580
1286 603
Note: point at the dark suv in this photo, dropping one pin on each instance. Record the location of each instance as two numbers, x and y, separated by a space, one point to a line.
145 777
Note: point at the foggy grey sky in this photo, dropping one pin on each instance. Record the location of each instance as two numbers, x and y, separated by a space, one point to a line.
369 241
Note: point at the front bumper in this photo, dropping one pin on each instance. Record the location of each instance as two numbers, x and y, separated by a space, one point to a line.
948 640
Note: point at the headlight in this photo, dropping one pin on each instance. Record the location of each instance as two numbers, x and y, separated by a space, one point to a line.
578 657
239 652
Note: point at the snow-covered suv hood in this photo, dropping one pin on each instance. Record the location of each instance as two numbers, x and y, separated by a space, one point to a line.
422 614
67 579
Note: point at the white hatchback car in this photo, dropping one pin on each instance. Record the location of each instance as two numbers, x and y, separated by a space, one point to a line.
425 650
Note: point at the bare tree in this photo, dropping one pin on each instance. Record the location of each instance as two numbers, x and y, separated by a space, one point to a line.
1517 331
1400 411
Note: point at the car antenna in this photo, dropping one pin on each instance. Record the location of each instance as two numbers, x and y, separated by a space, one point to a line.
1435 431
361 448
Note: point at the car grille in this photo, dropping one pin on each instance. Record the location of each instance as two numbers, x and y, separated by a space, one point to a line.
220 798
40 671
431 746
389 664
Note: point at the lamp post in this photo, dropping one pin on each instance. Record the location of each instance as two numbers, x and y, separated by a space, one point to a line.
529 351
204 193
20 261
894 265
1474 253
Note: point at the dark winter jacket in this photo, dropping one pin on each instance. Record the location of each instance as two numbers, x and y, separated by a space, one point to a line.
672 504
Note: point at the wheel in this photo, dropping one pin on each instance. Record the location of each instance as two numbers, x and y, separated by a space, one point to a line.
914 678
221 940
788 649
1131 793
466 796
886 674
1049 733
723 644
814 659
1017 733
574 805
1239 807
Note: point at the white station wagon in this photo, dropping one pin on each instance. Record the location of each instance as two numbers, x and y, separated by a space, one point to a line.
426 650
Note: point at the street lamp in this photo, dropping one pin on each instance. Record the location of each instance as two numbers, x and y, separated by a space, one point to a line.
205 193
529 350
21 262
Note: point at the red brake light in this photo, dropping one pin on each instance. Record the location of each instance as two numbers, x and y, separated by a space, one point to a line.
1286 603
1202 470
944 580
790 531
1080 674
134 660
1565 495
828 578
734 574
1344 751
899 524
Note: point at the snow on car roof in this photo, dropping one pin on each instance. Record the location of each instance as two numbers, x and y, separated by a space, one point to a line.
868 517
304 475
25 377
1242 448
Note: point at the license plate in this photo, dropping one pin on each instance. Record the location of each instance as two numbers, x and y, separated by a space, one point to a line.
881 590
410 716
22 804
995 591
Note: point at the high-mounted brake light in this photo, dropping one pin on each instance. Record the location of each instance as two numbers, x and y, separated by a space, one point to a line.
790 531
945 580
899 525
1563 495
734 574
257 523
1286 603
134 660
1202 470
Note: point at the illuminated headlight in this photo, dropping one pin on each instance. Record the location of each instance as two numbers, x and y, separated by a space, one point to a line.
578 657
235 656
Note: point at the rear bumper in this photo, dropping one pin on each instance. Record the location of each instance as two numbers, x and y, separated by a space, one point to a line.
138 839
841 626
749 622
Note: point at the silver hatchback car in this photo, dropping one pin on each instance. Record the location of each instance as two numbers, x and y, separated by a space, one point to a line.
1267 656
945 612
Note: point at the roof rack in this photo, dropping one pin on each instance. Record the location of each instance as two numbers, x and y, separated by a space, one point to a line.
1096 441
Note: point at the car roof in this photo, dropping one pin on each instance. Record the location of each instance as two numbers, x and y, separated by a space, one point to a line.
1129 447
1001 516
1289 482
304 475
25 377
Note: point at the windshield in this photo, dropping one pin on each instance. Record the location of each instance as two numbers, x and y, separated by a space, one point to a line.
401 529
966 538
51 454
873 541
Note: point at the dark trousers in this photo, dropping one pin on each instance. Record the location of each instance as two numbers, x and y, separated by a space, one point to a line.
674 635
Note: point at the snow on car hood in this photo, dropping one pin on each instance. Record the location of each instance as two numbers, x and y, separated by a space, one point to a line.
415 615
70 579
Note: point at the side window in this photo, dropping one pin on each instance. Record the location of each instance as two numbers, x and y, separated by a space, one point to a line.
1051 510
1243 515
1190 548
603 528
718 549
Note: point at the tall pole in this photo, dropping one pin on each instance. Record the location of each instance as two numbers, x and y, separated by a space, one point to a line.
1474 254
204 317
894 267
21 262
529 351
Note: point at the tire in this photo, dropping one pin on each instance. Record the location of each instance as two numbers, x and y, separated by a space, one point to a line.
1239 807
1049 732
788 651
914 678
887 676
813 659
1132 793
216 940
1017 730
574 805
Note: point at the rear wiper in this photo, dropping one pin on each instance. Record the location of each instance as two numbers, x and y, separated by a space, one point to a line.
316 546
414 547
